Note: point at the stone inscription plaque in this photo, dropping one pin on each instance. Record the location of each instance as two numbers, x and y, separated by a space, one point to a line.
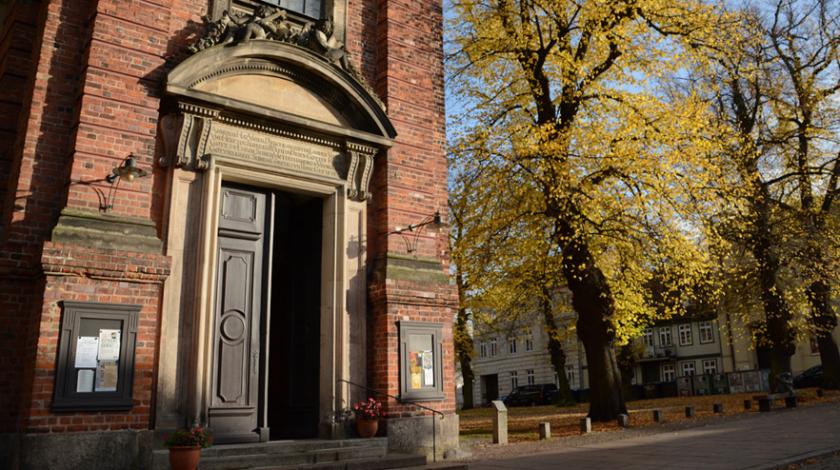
274 151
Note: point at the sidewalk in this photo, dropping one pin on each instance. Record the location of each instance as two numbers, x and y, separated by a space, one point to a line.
758 441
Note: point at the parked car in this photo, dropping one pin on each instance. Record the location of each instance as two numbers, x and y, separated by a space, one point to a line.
812 377
529 395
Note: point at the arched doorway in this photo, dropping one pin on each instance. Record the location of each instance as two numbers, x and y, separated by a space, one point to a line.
270 147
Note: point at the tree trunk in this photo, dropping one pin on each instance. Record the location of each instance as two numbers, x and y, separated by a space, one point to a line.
593 302
606 400
463 347
627 366
778 337
825 321
555 351
464 344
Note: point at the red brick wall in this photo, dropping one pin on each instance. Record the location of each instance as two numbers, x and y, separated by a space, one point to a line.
37 172
94 102
409 185
96 99
18 33
139 284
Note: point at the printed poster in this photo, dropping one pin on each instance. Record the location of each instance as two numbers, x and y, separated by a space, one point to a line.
86 349
109 345
415 369
106 376
428 369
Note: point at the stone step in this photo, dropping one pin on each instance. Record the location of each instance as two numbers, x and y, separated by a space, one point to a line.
282 453
390 461
230 462
441 466
291 446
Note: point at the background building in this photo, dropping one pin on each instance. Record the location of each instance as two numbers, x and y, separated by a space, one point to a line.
510 355
678 349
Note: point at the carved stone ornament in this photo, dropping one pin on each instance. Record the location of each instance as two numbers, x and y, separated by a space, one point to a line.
272 23
191 138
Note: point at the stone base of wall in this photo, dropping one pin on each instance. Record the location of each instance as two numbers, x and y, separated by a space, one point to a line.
103 450
414 435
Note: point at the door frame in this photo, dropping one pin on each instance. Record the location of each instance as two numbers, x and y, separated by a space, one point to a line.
333 335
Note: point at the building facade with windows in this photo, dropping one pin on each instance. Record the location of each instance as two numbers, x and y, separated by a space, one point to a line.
518 355
200 212
679 349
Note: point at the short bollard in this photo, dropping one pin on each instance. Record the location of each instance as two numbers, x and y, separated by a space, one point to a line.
500 423
657 416
623 420
545 431
764 404
717 408
585 425
820 393
747 404
689 411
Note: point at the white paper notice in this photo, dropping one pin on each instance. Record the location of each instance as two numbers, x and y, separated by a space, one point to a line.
86 349
84 381
109 345
428 370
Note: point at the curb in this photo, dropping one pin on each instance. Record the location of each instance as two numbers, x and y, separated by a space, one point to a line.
797 459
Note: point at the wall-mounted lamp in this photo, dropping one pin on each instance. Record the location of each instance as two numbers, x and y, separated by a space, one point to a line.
411 240
128 171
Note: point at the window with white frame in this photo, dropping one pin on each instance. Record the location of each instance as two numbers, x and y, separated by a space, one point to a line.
529 340
514 380
687 368
668 373
494 348
710 366
571 376
512 345
482 349
531 377
685 334
707 335
648 337
665 336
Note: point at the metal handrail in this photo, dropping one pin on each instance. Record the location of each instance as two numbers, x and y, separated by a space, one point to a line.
401 402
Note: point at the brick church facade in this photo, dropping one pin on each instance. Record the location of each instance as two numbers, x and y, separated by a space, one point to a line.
201 212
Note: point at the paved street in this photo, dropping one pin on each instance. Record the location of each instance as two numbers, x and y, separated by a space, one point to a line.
760 441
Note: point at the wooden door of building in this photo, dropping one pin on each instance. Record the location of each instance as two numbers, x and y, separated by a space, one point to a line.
233 408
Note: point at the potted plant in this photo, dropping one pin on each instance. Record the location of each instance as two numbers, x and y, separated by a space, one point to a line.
185 447
367 417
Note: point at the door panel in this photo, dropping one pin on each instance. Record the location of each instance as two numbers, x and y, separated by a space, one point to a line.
234 400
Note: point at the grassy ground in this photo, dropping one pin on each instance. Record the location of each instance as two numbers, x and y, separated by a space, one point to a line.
523 422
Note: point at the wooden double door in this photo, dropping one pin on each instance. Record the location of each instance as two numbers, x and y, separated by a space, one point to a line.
266 333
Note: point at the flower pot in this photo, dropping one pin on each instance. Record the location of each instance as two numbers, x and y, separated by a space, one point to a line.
184 457
367 427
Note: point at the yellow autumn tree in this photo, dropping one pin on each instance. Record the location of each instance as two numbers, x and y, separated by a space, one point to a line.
776 96
570 121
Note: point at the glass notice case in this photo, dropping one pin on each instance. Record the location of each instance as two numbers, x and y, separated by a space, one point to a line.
421 364
95 369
